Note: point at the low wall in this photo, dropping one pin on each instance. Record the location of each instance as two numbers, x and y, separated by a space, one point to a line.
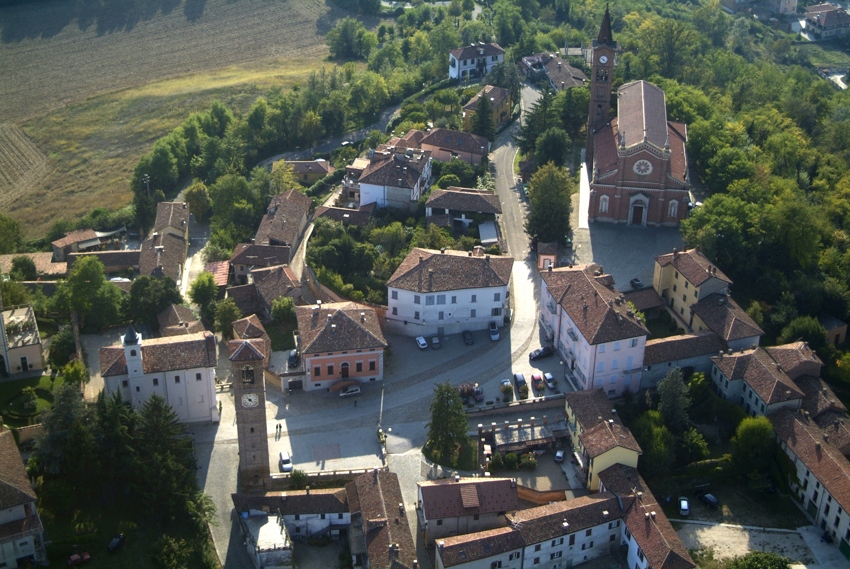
281 481
538 497
548 402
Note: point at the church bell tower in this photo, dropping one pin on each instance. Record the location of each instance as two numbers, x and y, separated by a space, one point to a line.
249 387
602 72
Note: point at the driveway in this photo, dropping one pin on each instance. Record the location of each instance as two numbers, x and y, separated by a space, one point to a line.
199 235
92 343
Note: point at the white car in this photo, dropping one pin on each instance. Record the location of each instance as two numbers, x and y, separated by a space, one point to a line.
494 332
684 506
422 343
352 391
550 381
559 456
285 462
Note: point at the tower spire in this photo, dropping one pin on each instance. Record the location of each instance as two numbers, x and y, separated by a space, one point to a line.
605 36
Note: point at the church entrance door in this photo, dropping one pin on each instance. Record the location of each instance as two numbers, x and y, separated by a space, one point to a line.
637 215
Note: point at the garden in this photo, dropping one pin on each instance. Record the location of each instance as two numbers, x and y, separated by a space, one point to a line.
22 400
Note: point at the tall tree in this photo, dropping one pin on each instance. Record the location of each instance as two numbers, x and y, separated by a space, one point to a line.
482 120
550 191
86 291
448 426
52 446
203 292
552 146
657 443
198 198
674 400
23 268
226 313
753 446
343 39
536 121
11 236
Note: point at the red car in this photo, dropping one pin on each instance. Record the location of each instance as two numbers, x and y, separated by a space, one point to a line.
79 559
537 381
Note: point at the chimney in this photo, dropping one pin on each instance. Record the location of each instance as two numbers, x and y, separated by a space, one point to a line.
640 495
400 509
420 258
599 418
513 482
487 258
697 248
532 421
675 253
443 251
550 267
457 477
652 513
430 279
605 514
333 328
319 303
825 438
565 526
545 421
362 317
519 423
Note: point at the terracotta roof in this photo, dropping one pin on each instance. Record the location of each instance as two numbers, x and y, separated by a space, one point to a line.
456 141
475 51
547 248
605 151
461 549
112 260
338 326
450 499
282 222
376 496
725 318
836 425
547 522
256 255
220 271
174 315
818 397
15 486
426 270
171 214
247 350
399 168
170 353
682 347
291 502
347 216
250 327
464 199
589 297
589 405
644 299
693 265
559 71
497 95
604 436
642 113
311 167
76 236
646 520
162 255
44 264
269 284
827 15
183 329
796 359
806 440
761 373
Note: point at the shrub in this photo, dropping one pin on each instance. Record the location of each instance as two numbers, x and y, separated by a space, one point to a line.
529 461
507 392
298 479
496 462
511 461
523 392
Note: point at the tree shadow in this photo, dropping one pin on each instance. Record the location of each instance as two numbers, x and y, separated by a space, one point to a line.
23 19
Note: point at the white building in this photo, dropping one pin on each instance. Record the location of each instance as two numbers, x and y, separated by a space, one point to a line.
447 292
395 177
21 542
474 61
180 369
593 328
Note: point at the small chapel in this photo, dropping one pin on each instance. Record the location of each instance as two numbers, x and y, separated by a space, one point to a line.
637 160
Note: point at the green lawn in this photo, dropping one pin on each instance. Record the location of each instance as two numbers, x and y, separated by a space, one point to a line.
11 397
281 336
92 529
825 53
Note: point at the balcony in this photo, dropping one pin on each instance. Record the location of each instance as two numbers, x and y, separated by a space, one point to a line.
552 307
572 334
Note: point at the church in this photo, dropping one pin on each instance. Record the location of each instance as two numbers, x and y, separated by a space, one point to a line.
637 161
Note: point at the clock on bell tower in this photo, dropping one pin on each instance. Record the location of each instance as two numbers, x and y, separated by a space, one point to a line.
249 389
601 75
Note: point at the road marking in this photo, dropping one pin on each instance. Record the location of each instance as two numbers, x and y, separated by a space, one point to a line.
381 412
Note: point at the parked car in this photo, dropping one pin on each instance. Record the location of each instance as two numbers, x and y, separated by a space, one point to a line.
352 391
79 559
506 382
709 499
541 353
467 338
422 343
285 462
116 543
469 390
519 379
537 381
525 190
636 283
294 359
494 332
684 506
550 381
559 456
435 343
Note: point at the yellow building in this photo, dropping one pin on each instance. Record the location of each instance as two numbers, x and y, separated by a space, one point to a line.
598 436
500 100
308 172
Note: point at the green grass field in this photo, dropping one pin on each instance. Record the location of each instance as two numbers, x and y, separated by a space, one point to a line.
825 54
11 398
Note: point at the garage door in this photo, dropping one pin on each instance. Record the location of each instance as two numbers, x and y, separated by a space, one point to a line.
296 384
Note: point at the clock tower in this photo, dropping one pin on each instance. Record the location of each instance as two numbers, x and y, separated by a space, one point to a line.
249 388
602 73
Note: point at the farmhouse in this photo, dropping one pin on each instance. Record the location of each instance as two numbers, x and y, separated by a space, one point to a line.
395 177
445 145
74 242
473 61
308 172
285 220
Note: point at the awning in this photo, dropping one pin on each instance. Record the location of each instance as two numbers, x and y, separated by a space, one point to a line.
340 385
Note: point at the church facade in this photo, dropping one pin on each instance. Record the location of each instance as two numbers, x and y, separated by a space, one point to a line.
637 161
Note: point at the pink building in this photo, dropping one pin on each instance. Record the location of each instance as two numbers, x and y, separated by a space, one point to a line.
597 334
340 341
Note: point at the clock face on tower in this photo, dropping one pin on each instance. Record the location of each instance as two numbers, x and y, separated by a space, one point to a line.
603 59
642 167
250 400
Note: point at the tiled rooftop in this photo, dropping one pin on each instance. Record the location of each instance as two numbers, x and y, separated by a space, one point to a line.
426 270
469 496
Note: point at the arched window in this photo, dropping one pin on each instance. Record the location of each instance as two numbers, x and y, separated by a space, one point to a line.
247 374
598 110
603 204
673 209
